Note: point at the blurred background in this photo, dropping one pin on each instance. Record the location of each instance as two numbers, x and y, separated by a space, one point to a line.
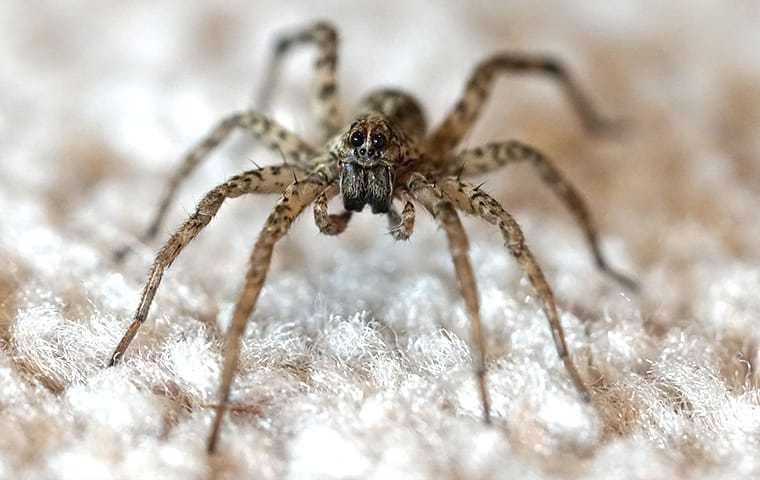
99 100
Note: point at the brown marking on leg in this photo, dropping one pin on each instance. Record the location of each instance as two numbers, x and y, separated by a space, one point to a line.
494 155
442 209
326 103
466 111
295 199
468 198
264 180
329 224
259 126
402 225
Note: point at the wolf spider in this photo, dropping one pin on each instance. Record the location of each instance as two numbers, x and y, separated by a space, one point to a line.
383 155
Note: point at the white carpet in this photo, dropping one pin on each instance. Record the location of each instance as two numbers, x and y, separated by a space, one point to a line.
356 362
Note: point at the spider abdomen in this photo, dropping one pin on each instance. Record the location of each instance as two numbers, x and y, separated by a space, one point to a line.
401 108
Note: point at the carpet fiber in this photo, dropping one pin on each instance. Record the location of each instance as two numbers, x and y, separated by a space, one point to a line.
356 362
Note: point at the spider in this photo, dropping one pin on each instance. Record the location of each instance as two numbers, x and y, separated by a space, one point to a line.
383 155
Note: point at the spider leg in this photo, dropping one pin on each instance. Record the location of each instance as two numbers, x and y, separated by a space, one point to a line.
259 126
466 111
495 155
472 200
402 224
264 180
327 223
293 201
326 104
442 209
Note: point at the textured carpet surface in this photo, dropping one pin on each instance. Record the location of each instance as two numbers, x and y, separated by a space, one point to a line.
356 362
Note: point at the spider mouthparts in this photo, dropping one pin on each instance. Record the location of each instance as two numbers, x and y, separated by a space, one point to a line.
364 160
360 185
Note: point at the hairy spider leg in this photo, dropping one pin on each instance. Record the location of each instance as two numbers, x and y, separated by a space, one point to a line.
443 211
495 155
329 224
326 101
293 201
276 137
264 180
402 224
472 200
460 120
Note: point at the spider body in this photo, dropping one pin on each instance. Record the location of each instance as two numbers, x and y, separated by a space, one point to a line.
383 156
369 153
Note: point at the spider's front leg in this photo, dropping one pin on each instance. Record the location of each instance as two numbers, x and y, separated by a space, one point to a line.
276 137
442 209
494 155
329 224
472 200
466 111
402 224
293 201
264 180
326 103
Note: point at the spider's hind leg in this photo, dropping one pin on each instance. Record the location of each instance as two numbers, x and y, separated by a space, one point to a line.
494 155
473 200
466 111
259 126
326 103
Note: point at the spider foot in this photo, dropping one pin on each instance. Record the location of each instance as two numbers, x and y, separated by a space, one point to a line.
398 234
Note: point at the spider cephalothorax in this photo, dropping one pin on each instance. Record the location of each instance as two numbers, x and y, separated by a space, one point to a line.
384 155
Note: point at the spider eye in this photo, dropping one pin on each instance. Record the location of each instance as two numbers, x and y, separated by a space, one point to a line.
378 140
357 139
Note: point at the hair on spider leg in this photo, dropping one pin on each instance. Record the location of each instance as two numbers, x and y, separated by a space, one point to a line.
396 229
285 163
384 153
460 170
253 162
